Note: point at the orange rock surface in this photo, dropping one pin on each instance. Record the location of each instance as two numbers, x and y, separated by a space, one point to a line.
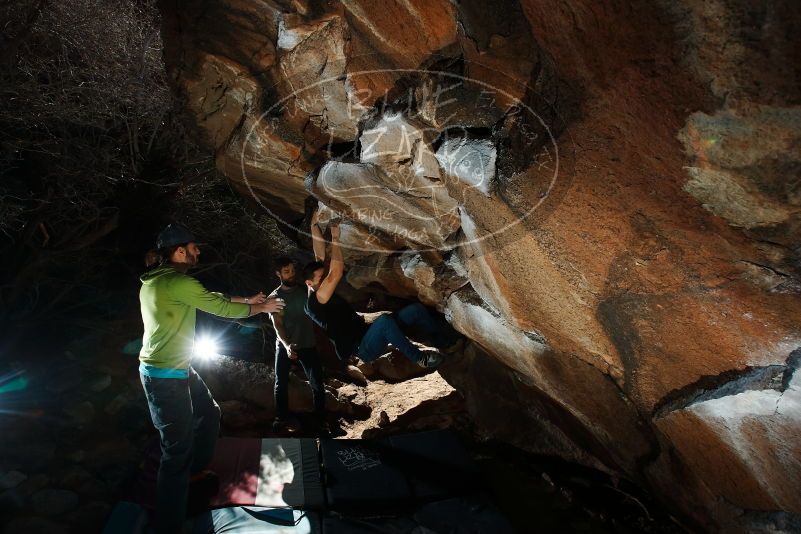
630 261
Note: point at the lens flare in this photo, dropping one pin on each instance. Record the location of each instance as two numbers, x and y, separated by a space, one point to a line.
206 348
13 382
16 397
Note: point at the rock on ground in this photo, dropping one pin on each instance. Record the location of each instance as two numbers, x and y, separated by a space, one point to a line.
425 402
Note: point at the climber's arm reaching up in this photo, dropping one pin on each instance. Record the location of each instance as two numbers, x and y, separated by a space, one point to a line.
318 241
336 268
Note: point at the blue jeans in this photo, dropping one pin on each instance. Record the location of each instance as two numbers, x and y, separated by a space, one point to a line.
310 361
188 421
387 329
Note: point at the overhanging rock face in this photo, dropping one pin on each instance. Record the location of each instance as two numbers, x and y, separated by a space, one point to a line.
604 200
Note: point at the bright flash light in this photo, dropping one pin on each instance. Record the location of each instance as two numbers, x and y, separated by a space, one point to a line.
206 348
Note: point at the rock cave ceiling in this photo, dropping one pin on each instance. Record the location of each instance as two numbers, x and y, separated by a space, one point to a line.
603 196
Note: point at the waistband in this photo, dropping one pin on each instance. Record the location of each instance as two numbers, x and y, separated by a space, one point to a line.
159 372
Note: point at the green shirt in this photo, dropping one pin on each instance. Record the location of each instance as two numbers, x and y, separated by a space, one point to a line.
299 328
169 299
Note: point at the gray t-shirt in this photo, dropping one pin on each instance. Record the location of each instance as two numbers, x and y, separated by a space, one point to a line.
299 328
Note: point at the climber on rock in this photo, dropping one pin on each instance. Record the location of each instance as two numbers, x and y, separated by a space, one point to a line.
294 342
348 331
181 406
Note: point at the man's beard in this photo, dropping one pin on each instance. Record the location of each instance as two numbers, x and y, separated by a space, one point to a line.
191 259
290 282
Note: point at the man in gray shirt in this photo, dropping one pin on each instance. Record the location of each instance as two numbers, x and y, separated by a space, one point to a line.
294 342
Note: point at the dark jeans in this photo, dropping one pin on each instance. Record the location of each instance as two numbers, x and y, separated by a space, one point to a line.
387 329
188 421
310 361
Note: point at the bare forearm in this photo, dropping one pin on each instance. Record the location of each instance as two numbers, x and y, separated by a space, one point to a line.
282 336
337 262
280 331
318 243
271 305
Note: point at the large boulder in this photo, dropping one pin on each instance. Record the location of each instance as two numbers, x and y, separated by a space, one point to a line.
743 436
598 197
403 205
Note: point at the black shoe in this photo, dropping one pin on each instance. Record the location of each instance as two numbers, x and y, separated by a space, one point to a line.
286 426
430 358
202 489
279 425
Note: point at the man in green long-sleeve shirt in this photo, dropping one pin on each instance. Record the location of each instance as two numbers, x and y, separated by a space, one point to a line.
181 406
169 298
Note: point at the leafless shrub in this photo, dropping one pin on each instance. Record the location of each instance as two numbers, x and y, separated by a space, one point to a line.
82 103
87 131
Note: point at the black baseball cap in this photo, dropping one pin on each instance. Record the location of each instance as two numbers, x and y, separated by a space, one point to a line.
174 234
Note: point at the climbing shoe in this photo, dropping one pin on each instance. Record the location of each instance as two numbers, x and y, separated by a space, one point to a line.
430 358
202 488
